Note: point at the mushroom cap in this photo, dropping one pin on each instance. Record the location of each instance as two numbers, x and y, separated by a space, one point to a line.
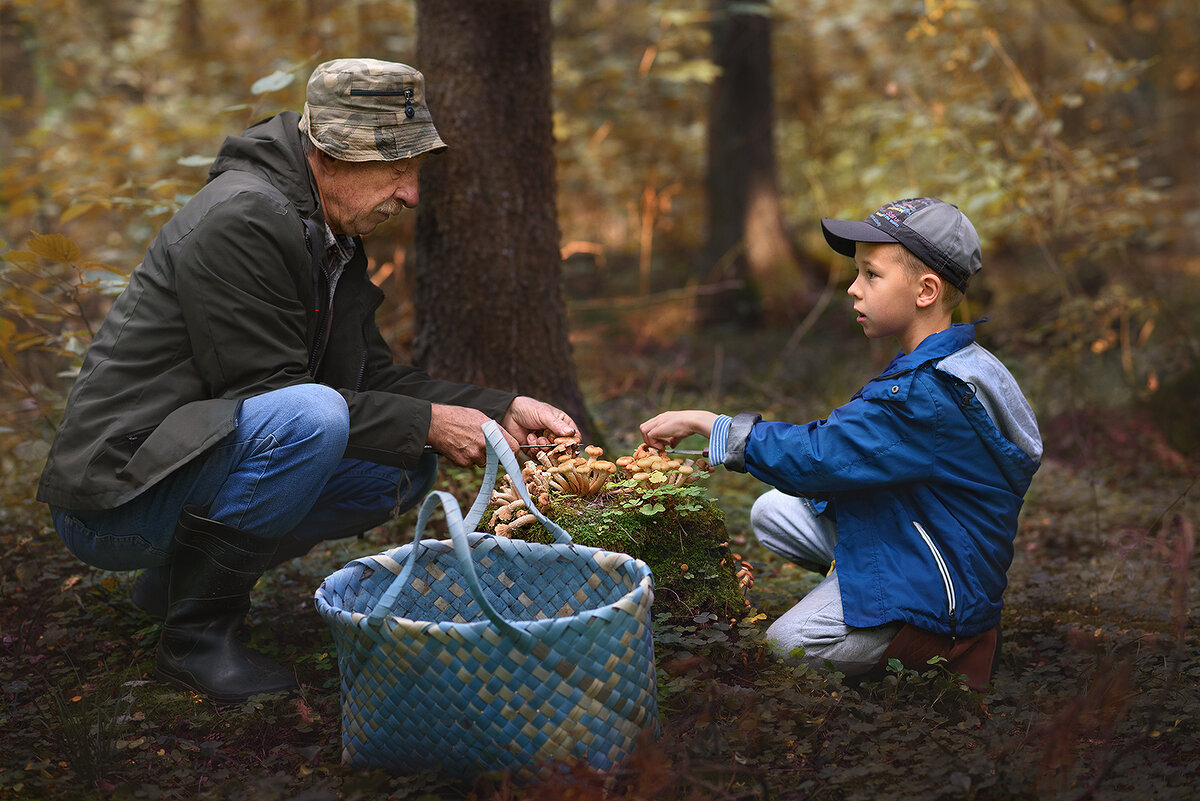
593 450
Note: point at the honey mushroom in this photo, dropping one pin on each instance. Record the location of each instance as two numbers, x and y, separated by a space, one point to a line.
745 571
744 574
564 469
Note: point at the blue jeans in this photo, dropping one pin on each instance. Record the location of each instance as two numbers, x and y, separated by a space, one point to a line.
281 473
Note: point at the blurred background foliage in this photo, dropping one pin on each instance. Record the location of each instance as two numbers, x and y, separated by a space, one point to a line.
1066 131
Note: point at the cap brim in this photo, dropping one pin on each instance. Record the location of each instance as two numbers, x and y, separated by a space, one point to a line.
842 234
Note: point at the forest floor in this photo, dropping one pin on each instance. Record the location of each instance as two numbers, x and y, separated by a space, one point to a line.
1096 696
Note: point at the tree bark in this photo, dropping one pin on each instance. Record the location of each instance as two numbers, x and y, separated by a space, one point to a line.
189 29
489 306
748 237
17 69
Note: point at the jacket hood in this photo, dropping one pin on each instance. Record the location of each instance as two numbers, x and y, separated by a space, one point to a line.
1018 448
272 149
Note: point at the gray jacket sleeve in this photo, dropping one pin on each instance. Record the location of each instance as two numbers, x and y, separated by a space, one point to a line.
735 446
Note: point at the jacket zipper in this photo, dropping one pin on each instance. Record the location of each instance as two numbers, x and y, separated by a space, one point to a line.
362 370
314 358
951 601
318 345
138 437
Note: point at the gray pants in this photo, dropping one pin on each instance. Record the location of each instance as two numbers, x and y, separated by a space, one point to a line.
790 527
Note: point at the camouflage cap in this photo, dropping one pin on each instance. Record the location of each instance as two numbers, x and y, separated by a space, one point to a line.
363 109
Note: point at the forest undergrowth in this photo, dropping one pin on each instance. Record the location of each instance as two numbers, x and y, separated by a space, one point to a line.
1095 696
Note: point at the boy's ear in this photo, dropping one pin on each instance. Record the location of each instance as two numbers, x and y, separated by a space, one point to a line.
929 290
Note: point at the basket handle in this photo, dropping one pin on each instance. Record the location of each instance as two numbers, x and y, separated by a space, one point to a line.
498 450
462 551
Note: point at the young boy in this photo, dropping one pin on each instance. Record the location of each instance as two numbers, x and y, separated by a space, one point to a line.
907 496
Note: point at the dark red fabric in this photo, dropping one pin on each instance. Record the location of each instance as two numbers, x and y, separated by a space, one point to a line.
970 656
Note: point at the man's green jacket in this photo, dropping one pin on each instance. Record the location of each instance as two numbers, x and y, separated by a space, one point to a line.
229 303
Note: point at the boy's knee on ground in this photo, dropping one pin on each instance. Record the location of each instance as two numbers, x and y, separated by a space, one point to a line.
854 654
817 626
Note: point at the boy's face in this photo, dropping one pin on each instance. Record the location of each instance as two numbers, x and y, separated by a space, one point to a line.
885 293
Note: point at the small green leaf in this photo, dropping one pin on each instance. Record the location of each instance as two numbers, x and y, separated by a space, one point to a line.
273 82
195 161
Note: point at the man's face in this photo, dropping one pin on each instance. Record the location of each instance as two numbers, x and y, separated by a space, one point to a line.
358 196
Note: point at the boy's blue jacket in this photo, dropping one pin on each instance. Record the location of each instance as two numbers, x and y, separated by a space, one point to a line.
925 470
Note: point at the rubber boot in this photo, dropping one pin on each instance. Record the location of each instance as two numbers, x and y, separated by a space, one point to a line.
212 571
149 592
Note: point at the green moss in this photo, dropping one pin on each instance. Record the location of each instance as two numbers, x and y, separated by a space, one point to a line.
672 531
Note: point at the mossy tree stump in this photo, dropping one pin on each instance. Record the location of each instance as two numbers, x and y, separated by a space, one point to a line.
681 535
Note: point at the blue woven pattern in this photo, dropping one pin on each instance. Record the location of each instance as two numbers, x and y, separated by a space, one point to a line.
552 661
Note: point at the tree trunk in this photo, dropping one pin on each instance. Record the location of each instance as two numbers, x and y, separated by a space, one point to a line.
489 307
748 238
16 65
19 86
189 30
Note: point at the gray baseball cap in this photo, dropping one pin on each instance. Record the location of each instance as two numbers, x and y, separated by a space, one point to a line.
363 109
936 232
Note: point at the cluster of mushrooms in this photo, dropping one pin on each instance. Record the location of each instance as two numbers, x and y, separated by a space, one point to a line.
564 470
650 467
744 573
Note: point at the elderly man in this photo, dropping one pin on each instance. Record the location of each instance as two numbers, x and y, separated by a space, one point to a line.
239 405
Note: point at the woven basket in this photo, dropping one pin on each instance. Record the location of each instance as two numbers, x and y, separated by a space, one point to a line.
482 653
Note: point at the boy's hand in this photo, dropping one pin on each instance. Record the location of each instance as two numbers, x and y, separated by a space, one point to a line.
663 431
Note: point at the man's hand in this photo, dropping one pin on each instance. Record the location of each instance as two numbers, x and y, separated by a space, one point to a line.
456 433
527 418
663 431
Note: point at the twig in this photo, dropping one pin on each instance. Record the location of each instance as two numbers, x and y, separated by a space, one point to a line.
29 390
806 324
666 296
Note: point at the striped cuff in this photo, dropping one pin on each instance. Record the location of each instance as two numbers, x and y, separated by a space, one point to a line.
718 439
